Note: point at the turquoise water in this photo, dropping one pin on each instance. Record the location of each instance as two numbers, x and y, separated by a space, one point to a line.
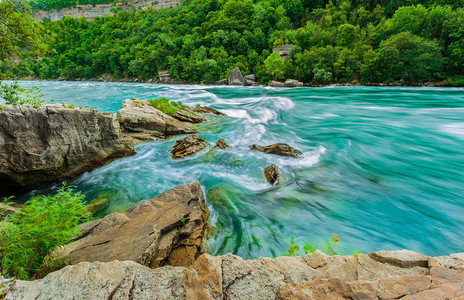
382 167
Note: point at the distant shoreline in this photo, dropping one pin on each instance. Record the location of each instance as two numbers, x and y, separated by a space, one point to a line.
134 80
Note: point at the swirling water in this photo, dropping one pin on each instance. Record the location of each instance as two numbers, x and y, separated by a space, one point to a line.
382 167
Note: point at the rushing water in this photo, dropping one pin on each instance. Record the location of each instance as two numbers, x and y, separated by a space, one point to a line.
382 167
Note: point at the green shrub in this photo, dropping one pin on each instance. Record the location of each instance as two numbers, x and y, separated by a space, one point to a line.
16 95
28 238
166 106
294 249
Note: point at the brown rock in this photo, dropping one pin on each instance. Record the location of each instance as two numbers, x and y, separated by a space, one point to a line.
276 84
187 146
401 258
52 143
221 143
169 229
137 116
208 110
188 115
277 149
272 174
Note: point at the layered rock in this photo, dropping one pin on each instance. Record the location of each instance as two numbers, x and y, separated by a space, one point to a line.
236 77
52 143
170 229
142 121
314 276
187 146
278 149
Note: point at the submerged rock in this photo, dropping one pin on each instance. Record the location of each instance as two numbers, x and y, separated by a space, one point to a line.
52 143
221 143
187 146
272 174
170 229
278 149
137 116
313 276
235 77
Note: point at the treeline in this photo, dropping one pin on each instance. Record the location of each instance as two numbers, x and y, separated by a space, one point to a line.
60 4
201 41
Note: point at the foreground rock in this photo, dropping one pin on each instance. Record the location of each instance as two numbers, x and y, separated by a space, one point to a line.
236 77
314 276
53 143
272 174
142 121
170 229
277 149
187 146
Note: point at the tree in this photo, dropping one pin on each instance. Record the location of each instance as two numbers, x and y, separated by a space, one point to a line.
274 65
16 27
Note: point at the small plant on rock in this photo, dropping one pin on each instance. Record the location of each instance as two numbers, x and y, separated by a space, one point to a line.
294 249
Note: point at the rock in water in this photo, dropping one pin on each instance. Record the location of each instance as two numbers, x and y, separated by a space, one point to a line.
277 84
187 146
137 116
293 83
208 110
52 143
221 143
278 149
272 174
235 77
170 229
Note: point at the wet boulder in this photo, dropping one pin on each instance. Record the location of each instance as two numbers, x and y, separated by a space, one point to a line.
272 174
208 110
278 149
221 143
187 146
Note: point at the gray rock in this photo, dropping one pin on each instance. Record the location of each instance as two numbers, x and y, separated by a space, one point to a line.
137 116
284 50
223 82
251 77
276 84
164 76
52 143
170 229
293 83
235 77
187 146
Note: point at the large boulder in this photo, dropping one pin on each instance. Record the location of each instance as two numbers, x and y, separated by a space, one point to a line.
293 83
278 149
170 229
276 84
314 276
235 77
53 143
187 146
137 117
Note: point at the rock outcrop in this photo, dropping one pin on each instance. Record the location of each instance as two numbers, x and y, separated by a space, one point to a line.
314 276
284 50
52 143
187 146
142 121
164 76
170 229
272 174
278 149
221 143
235 77
208 110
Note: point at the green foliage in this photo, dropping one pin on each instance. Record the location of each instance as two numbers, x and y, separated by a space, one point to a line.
28 237
16 95
201 41
166 106
294 249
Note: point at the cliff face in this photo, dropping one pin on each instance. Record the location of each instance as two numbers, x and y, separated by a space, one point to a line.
380 275
89 12
53 143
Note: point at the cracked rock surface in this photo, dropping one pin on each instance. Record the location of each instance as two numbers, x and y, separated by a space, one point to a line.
315 276
53 143
170 229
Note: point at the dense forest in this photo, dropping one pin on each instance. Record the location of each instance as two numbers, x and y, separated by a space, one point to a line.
201 41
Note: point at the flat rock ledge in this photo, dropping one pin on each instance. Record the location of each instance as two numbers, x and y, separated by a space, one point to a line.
314 276
170 229
53 143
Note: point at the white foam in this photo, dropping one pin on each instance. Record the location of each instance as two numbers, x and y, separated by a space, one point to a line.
454 129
